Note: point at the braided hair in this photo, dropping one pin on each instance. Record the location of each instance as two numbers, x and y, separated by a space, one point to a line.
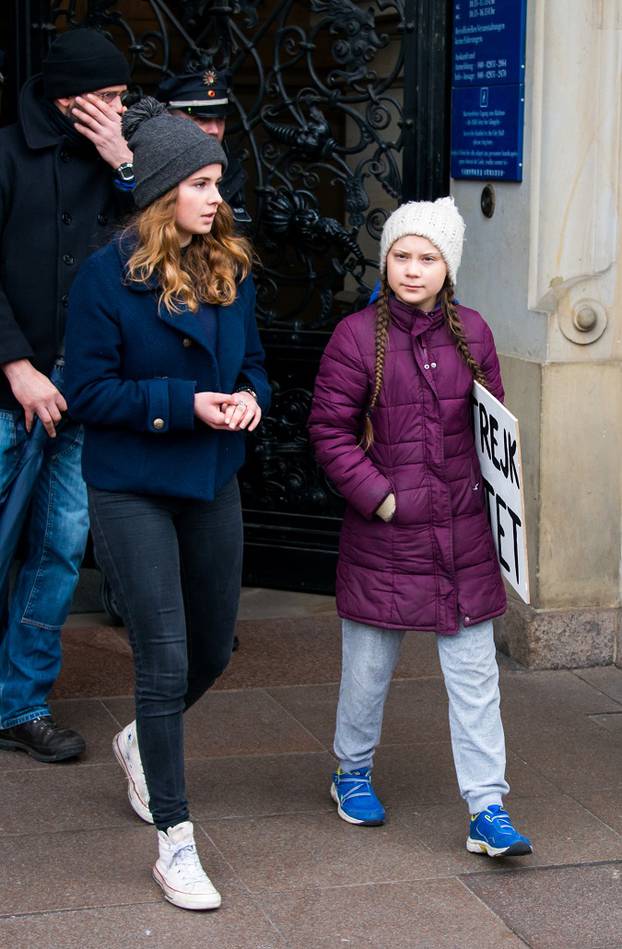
383 319
454 324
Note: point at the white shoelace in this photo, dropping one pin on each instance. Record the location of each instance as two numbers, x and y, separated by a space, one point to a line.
361 787
186 862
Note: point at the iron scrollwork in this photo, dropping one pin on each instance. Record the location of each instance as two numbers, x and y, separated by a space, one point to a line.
319 127
316 126
325 136
280 475
322 127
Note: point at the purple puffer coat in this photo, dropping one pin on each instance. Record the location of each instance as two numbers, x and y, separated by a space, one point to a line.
434 564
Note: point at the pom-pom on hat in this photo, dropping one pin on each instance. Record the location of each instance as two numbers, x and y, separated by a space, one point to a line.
439 221
167 148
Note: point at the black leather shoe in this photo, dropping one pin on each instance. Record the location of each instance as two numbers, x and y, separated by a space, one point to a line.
43 739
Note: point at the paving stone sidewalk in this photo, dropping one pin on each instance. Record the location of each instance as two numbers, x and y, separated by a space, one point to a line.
75 861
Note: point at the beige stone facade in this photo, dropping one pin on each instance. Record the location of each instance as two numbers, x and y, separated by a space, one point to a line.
546 272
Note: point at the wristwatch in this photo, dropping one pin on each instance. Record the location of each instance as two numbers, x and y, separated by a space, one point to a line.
125 171
248 389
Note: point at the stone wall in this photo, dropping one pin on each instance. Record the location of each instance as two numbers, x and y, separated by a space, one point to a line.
545 272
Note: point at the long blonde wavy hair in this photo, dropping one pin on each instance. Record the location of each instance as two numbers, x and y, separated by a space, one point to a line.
206 272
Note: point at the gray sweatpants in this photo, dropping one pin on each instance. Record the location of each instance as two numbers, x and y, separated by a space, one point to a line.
471 675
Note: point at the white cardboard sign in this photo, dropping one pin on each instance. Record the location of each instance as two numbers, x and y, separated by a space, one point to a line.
497 441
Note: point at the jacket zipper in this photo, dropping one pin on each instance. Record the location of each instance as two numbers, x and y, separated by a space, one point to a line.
425 353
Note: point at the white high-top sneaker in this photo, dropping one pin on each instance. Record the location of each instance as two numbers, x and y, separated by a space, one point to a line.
179 872
126 751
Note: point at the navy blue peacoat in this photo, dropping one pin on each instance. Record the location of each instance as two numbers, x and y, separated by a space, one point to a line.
131 372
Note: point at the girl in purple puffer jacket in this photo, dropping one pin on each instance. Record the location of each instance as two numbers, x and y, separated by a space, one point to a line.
391 426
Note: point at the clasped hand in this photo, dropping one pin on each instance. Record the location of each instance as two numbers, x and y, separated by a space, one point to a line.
233 412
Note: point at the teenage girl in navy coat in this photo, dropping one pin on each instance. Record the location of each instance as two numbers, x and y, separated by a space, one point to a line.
165 369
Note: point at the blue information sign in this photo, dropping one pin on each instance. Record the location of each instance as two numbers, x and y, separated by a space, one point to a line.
487 132
488 95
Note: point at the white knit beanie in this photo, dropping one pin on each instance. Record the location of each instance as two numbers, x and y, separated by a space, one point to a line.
439 221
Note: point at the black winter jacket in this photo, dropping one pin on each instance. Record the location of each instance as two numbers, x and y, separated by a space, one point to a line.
58 204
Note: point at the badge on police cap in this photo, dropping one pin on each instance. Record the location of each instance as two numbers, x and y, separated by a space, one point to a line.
202 93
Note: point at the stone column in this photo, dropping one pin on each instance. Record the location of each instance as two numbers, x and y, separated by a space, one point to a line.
545 272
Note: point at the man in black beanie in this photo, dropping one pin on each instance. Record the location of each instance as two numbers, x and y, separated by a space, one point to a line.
65 180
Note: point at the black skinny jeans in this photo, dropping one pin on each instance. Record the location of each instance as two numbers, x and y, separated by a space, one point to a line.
174 565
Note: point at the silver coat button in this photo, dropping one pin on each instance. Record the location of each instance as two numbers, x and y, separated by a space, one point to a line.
433 364
426 365
158 424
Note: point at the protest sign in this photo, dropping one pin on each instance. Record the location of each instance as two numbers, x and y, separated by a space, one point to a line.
497 441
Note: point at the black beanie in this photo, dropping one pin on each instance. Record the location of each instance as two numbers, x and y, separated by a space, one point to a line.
80 61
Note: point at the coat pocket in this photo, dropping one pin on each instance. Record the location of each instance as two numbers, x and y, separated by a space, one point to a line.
409 507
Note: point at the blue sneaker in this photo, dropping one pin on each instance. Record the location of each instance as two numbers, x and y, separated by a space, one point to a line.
355 797
491 832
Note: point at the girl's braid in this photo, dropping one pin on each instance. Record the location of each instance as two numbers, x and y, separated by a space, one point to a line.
457 331
383 320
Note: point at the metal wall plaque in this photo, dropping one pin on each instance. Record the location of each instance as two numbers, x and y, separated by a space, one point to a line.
488 89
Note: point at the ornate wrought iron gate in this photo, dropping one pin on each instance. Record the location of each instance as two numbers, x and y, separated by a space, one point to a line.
340 113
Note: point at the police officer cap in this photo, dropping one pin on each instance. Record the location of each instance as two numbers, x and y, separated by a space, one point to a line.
203 94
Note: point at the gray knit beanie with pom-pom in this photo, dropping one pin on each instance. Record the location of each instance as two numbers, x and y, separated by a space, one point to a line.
167 149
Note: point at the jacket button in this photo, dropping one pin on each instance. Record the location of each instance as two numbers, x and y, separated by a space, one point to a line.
66 217
65 299
69 259
158 424
433 364
186 342
467 619
64 155
102 218
426 365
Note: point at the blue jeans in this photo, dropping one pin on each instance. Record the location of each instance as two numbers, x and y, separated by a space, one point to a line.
469 665
174 566
56 534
